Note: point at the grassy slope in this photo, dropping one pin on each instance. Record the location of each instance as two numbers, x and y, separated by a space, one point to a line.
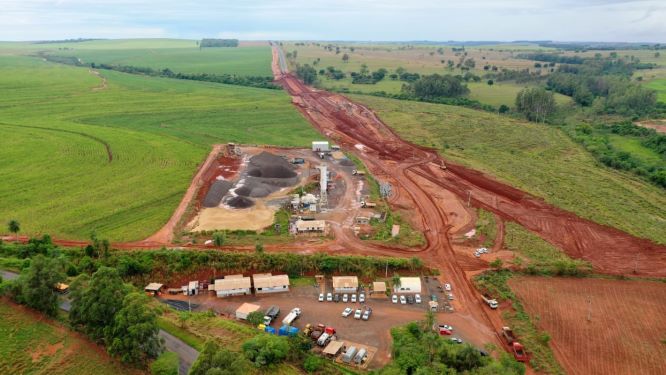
660 86
159 130
536 158
22 337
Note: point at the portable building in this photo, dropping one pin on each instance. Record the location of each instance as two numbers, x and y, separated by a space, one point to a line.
268 283
192 288
408 285
342 284
333 348
245 309
303 226
349 354
320 146
378 289
153 288
360 356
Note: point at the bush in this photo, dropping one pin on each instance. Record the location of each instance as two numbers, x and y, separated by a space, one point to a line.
166 364
312 363
265 350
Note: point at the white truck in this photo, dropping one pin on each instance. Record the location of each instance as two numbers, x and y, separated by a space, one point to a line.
295 313
490 301
271 314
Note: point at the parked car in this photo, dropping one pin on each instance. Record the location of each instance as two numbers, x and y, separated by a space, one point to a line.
394 299
329 297
417 298
403 300
345 298
447 287
450 296
357 314
353 298
347 312
445 329
410 299
336 298
457 340
361 298
433 297
321 297
366 314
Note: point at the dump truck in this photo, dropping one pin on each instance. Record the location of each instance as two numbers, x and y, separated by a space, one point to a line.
324 339
317 331
366 204
295 313
271 314
356 172
508 335
490 301
297 161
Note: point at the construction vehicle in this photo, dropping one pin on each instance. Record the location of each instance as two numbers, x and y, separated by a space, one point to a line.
490 301
297 161
366 204
308 329
508 335
295 313
271 314
517 349
356 172
317 331
442 166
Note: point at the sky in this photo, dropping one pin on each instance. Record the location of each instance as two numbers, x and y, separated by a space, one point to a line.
367 20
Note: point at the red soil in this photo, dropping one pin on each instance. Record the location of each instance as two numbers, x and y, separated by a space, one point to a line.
600 326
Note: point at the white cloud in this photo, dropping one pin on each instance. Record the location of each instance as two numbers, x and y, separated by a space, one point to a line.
604 20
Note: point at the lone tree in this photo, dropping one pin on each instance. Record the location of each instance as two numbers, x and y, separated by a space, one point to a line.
14 227
396 280
345 58
255 318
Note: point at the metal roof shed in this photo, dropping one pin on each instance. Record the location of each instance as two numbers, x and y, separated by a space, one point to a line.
333 348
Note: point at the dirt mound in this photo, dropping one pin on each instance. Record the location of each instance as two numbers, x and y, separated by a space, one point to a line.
239 202
267 165
217 190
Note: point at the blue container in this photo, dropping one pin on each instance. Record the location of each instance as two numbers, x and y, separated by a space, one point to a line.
270 330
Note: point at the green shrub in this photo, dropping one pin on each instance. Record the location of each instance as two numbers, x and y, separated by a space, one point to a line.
165 364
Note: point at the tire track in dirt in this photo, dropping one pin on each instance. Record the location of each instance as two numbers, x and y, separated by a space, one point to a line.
104 143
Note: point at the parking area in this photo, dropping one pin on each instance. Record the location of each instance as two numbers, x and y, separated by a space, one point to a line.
375 332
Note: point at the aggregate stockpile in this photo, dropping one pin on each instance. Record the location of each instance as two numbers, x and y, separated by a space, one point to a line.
264 174
357 129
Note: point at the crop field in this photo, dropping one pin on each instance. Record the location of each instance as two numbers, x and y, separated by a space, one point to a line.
32 344
660 86
536 158
420 60
248 61
119 156
599 326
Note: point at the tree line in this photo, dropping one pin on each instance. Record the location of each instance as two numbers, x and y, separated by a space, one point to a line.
264 82
211 42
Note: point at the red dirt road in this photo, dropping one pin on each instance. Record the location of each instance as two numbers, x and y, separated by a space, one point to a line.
600 326
359 130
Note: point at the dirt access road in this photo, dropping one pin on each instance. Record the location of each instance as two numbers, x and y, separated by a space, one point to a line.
358 130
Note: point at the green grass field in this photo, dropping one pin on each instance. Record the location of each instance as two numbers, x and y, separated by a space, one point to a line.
536 158
660 86
31 344
54 130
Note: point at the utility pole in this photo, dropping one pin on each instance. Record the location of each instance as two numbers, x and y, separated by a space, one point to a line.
589 308
386 274
469 197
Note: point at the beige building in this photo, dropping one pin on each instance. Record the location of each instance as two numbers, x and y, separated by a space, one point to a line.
232 285
268 283
409 285
342 284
